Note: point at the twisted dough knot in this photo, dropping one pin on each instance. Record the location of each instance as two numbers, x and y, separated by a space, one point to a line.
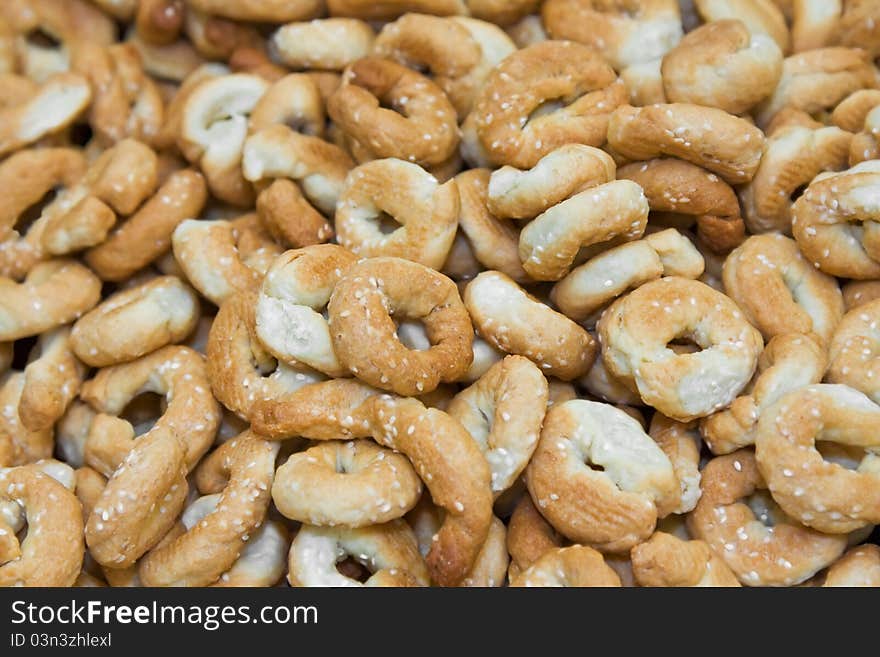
794 156
826 495
788 362
460 53
721 65
625 32
854 352
363 309
635 333
706 136
767 549
242 372
52 552
836 222
779 291
213 130
294 293
512 320
220 258
421 125
242 471
615 506
540 98
426 211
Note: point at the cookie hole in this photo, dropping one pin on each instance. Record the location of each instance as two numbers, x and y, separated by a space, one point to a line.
385 223
21 352
766 511
42 39
845 456
547 107
27 218
595 467
81 134
353 569
797 192
684 345
412 335
143 411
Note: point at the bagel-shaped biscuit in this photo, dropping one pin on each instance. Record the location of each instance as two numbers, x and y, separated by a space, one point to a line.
515 119
587 289
52 552
835 222
328 44
822 494
389 552
779 291
54 293
759 16
425 210
860 566
818 80
421 127
781 554
243 469
615 506
355 484
220 258
363 308
635 333
179 375
569 169
503 411
794 156
494 241
683 188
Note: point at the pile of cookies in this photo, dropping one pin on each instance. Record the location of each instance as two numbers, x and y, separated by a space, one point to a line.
439 292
